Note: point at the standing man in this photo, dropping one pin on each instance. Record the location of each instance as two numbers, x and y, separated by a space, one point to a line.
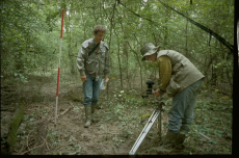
181 80
93 63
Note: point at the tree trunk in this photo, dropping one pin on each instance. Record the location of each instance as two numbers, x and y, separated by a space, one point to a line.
166 29
111 27
140 67
67 22
120 70
83 23
125 50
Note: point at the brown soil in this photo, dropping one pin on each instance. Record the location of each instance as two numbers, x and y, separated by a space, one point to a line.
111 135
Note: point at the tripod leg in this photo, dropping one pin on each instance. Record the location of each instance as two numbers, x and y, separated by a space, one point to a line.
160 126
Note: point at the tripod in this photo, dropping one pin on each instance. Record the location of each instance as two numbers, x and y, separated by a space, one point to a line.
156 115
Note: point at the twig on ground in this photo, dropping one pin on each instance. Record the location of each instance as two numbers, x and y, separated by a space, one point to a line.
46 143
22 148
64 112
73 153
71 104
32 149
27 140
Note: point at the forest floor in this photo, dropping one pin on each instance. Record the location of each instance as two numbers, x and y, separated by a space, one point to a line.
118 127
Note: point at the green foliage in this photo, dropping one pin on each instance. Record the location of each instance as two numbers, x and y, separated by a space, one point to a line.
30 32
53 137
76 148
216 104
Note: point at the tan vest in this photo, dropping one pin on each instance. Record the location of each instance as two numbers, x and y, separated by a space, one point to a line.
184 73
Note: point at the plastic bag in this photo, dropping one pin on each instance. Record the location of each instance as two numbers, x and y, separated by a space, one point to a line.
102 85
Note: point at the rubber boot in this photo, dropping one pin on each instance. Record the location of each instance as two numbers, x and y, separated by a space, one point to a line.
93 117
180 140
168 143
88 116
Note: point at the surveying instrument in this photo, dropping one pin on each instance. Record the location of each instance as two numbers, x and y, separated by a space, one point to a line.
156 115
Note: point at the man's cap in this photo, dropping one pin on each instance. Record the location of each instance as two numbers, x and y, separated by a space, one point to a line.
148 49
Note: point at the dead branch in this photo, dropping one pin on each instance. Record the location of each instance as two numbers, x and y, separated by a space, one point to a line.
73 153
32 149
27 140
64 112
46 143
71 104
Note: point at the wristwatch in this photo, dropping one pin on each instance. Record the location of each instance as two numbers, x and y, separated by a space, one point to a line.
161 92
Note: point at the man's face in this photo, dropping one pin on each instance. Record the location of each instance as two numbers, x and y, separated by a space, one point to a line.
150 57
99 36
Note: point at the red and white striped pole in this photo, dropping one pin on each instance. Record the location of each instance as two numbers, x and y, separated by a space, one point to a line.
58 76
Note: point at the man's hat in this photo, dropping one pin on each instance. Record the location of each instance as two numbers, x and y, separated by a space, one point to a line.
148 49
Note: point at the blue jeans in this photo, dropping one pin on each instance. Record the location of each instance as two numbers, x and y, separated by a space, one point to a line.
91 90
181 112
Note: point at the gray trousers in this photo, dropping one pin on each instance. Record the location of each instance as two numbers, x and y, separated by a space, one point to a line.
181 112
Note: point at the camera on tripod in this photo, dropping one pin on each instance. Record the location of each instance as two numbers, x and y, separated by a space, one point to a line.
149 91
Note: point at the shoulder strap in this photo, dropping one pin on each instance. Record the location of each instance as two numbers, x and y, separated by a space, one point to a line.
93 49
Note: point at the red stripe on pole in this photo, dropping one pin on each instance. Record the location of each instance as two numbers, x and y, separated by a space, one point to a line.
62 21
58 81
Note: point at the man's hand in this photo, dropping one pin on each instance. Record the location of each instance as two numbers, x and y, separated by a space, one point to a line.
83 78
106 79
156 93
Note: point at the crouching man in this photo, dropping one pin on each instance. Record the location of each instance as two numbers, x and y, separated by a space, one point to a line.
181 80
93 63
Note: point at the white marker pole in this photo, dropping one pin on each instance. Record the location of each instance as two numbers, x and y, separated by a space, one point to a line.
58 76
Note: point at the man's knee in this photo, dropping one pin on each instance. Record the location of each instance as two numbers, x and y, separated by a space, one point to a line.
95 97
174 123
188 116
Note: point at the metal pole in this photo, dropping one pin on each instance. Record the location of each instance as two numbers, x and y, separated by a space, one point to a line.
58 76
159 118
160 125
145 131
203 135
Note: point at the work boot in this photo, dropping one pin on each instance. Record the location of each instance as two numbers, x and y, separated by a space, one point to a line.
88 116
93 117
168 143
180 140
